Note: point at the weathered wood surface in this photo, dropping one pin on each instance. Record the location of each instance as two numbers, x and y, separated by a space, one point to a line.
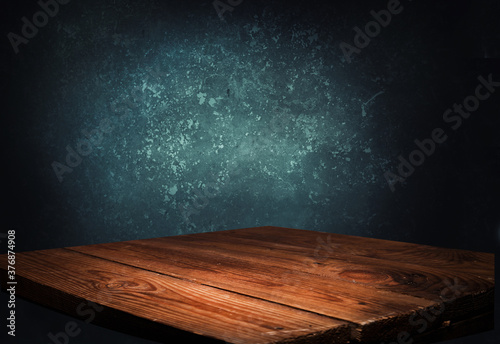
268 285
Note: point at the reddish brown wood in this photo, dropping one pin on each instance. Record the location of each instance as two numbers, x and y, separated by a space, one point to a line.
269 285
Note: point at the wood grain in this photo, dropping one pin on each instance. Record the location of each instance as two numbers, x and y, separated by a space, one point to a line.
425 275
177 303
272 284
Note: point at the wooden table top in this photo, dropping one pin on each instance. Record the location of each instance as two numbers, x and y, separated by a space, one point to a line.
266 285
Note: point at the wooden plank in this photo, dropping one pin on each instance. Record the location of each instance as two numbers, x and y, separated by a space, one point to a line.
260 267
479 263
415 279
348 288
371 309
64 278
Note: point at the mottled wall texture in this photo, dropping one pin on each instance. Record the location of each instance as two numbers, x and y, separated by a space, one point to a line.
137 119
